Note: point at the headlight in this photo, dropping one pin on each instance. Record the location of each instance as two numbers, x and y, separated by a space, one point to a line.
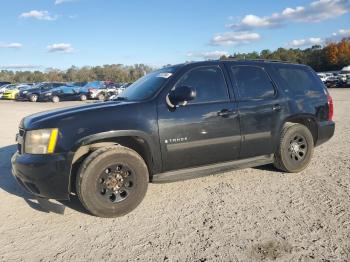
48 94
41 141
25 92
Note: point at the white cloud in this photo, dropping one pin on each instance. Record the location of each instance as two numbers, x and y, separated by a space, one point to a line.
39 15
317 11
11 45
58 2
234 38
342 33
61 47
208 55
306 42
19 66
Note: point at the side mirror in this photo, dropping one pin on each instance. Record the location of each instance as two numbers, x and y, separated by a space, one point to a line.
180 96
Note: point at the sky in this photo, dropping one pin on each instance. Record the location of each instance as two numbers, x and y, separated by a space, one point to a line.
40 34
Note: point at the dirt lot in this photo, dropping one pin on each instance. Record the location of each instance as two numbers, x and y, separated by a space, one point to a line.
251 214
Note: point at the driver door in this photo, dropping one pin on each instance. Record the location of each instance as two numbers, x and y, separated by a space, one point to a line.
205 130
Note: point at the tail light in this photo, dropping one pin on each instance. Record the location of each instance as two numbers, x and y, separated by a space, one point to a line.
330 108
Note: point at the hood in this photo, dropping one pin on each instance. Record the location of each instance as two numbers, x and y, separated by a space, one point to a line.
50 118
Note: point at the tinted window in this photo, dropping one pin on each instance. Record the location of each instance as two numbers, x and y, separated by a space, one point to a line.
67 90
252 82
209 83
300 81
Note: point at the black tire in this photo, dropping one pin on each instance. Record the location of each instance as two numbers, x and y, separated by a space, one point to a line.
101 97
33 98
83 98
95 173
295 148
55 99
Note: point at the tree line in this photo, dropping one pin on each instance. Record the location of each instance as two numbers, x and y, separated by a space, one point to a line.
331 57
114 73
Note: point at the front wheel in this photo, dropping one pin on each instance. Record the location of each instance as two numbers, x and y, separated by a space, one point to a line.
112 181
83 98
295 148
55 99
33 98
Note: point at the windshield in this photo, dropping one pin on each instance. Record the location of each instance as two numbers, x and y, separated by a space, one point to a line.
147 86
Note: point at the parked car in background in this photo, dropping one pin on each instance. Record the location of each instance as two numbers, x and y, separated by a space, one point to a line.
65 93
11 91
4 88
4 83
323 77
332 82
34 94
94 89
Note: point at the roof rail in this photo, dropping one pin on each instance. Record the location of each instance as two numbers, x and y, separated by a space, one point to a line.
257 60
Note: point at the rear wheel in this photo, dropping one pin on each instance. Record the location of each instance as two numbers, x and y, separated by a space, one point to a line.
83 98
295 149
33 98
112 181
55 99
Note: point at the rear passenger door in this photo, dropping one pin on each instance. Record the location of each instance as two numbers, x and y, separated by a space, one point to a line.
260 108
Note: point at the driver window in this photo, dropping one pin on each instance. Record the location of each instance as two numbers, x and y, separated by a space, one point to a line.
209 83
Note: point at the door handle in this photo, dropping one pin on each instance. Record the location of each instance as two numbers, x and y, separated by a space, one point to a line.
225 113
277 108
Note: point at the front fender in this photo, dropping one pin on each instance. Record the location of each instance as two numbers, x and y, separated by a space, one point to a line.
152 145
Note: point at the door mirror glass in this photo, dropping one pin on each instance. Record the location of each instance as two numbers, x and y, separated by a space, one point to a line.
180 96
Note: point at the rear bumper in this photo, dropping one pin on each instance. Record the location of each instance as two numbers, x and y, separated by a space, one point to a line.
45 176
325 132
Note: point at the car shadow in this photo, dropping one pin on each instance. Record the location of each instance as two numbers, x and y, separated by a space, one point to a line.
268 167
9 184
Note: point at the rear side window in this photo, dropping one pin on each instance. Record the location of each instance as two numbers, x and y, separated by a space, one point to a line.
209 83
300 81
252 82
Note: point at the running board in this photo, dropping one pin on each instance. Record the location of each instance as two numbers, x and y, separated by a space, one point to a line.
190 173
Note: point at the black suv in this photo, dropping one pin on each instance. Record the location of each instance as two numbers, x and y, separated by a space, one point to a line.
176 123
37 92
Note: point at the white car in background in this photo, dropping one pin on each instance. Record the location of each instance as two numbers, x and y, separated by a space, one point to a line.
323 77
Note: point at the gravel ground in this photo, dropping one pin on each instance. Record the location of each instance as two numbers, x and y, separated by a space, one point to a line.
247 215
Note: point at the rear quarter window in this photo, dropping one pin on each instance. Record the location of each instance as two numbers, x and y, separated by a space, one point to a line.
299 81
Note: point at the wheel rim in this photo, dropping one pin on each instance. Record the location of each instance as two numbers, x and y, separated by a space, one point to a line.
297 148
115 183
34 98
83 98
55 99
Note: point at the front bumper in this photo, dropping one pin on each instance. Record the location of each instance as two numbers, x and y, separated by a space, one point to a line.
9 96
46 176
325 132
